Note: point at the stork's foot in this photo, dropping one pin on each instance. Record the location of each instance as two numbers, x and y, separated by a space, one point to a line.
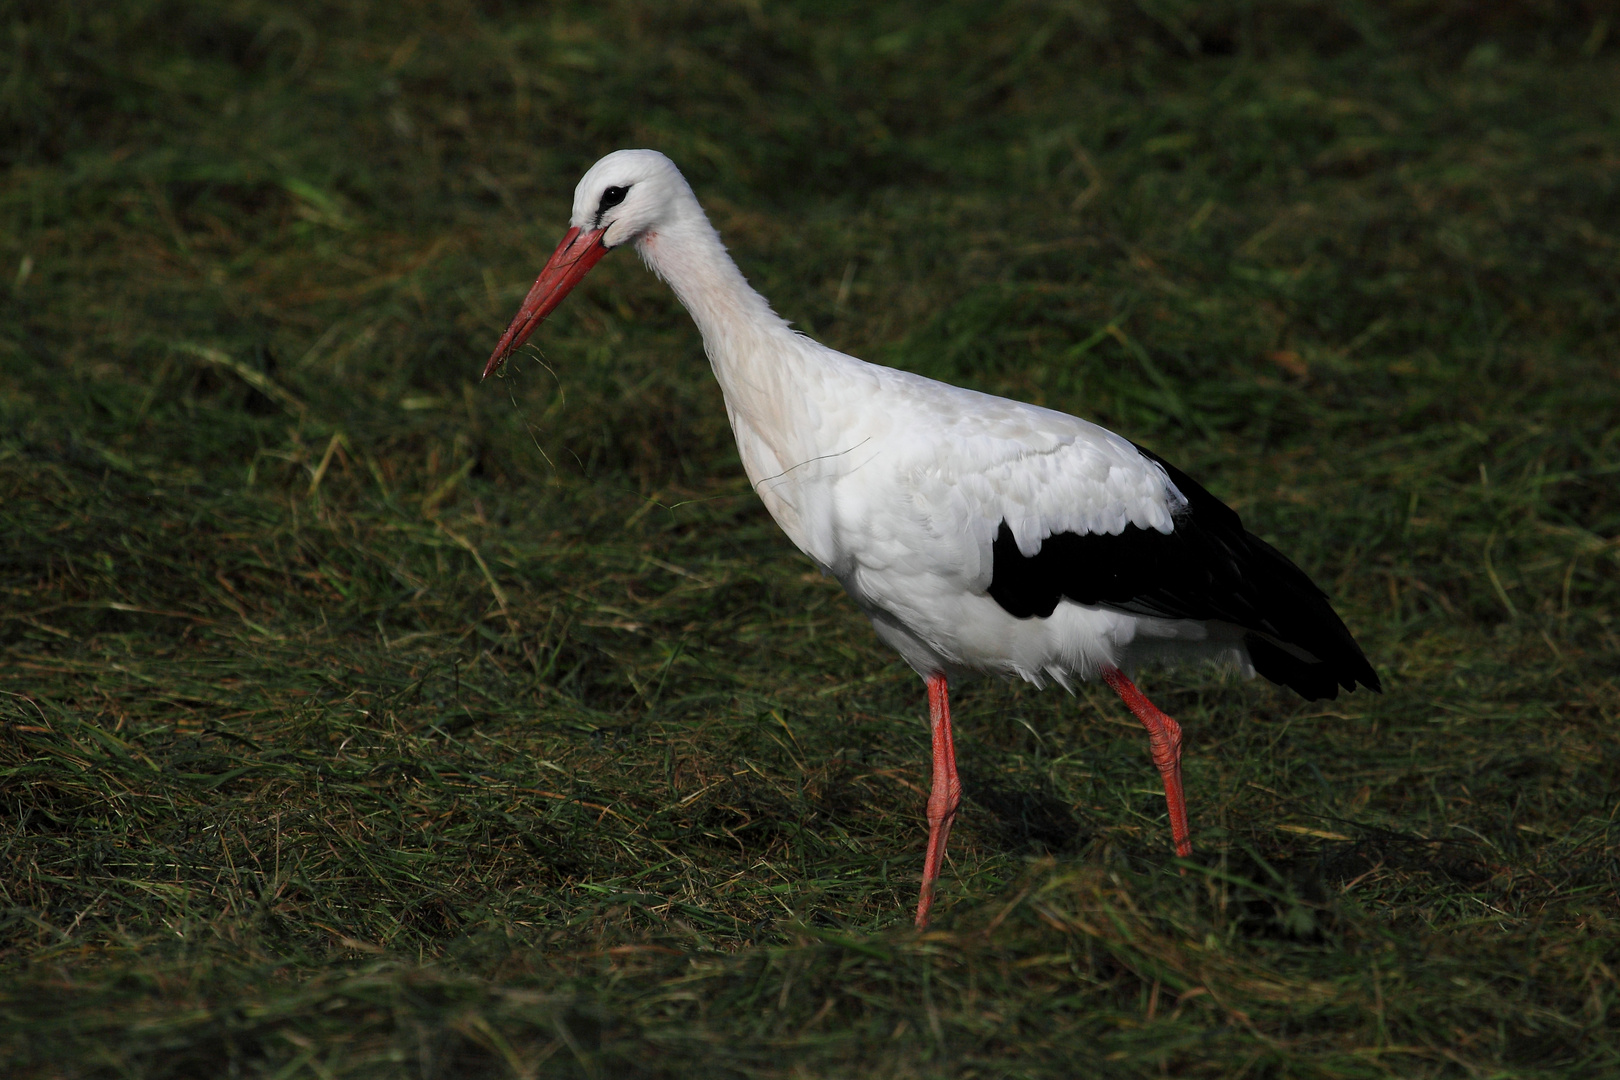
945 796
1164 738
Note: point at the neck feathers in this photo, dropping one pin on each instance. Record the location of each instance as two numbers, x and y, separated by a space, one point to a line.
733 318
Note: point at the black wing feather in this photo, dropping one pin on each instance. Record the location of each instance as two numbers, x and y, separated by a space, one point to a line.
1209 567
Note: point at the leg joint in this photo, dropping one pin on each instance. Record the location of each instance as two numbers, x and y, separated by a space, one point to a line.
943 805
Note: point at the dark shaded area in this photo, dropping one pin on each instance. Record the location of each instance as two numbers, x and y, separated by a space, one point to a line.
1029 817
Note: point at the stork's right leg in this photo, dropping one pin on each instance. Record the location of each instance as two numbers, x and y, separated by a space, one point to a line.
946 795
1164 737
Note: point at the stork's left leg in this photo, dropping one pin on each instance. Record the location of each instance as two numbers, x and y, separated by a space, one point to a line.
1164 737
946 795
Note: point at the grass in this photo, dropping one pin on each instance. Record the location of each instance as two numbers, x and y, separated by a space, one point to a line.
358 719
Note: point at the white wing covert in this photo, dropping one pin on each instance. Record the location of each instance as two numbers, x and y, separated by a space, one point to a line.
970 462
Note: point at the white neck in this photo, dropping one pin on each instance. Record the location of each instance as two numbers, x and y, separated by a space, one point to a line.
735 321
775 381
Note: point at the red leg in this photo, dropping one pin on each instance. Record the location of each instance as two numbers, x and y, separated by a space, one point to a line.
1164 737
946 795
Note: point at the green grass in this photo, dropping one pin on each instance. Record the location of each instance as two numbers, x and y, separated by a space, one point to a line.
358 719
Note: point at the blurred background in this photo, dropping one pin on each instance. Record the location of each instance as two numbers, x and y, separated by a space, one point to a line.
359 718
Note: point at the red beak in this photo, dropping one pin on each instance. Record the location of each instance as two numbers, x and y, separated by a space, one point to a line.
573 259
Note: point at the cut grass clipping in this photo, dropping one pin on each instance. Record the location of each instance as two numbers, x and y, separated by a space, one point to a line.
359 720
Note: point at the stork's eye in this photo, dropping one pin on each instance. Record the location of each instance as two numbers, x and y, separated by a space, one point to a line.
613 196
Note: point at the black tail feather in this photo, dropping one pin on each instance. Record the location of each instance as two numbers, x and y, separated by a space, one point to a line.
1209 568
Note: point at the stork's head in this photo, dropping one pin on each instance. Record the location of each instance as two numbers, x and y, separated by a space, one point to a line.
624 198
628 194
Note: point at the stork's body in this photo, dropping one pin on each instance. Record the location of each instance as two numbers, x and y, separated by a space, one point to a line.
978 534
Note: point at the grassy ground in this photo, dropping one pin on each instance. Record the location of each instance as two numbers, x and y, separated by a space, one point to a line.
357 719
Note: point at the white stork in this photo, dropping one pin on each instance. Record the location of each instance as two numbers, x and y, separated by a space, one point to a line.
978 534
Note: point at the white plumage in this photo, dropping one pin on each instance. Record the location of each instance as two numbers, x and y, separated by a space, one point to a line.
899 487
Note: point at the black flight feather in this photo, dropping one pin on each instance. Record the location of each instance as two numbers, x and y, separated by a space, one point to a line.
1209 567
